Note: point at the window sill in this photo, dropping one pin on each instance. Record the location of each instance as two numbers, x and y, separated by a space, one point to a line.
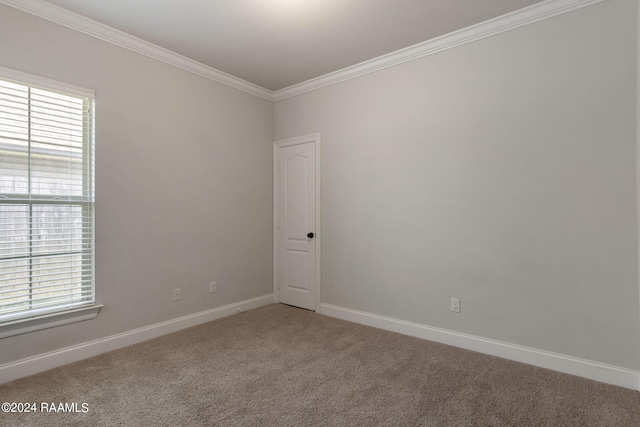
37 323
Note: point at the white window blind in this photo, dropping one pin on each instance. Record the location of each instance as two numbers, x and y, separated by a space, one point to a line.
46 198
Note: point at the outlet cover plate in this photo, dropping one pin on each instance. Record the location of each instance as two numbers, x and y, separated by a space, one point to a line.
455 305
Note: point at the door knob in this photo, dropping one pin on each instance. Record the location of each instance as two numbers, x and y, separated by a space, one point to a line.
310 235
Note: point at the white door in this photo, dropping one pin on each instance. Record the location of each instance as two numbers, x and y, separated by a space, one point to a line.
296 233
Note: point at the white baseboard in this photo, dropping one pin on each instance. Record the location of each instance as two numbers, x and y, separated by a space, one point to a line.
558 362
42 362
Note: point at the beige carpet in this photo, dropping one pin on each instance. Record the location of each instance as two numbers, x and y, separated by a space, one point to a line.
282 366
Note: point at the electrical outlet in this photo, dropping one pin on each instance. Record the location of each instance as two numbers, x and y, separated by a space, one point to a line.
176 294
455 305
213 287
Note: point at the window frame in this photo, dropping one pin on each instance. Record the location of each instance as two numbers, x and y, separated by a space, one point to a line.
63 313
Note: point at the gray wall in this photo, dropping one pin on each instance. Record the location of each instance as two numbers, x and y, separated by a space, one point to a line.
501 172
183 183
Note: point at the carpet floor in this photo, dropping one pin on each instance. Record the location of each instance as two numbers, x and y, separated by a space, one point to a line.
282 366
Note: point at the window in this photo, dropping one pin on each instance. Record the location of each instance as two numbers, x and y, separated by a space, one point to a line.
46 198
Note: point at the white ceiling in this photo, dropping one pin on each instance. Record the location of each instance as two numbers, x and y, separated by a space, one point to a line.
278 43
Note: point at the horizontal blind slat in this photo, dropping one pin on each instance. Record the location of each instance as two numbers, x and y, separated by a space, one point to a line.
45 293
15 284
21 283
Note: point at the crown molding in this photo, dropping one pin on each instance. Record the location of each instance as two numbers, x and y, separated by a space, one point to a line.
529 15
74 21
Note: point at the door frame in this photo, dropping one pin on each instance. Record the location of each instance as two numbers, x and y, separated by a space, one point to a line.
317 140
